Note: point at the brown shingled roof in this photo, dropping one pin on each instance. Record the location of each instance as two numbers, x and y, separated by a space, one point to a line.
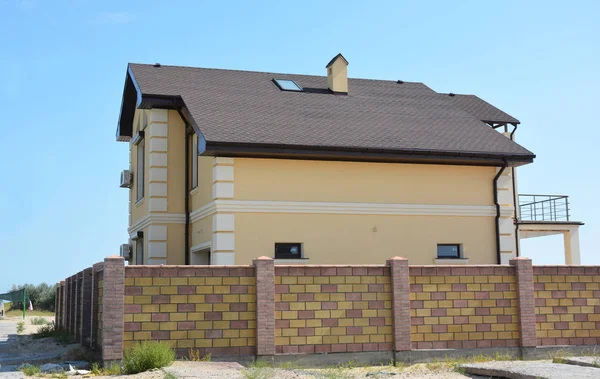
247 108
481 109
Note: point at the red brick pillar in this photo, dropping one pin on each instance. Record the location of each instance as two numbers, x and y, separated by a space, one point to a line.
113 308
265 306
400 302
526 300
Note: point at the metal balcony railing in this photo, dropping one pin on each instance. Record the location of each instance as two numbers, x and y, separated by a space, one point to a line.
544 207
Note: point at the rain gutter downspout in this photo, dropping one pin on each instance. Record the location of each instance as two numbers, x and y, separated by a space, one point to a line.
515 201
187 192
498 210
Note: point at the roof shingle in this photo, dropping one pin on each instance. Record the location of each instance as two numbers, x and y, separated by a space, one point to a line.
247 107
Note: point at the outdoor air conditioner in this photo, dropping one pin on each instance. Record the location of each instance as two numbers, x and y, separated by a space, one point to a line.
126 178
126 251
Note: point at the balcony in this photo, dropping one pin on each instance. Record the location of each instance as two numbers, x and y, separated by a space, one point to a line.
545 208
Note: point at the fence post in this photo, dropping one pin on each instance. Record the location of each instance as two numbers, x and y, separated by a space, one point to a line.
265 306
63 304
96 269
113 308
78 306
56 305
400 286
86 307
526 302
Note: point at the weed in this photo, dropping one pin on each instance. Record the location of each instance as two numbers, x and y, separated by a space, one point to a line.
289 365
258 373
20 327
58 375
259 369
39 321
168 375
195 356
559 356
146 356
260 363
61 336
113 369
95 368
31 370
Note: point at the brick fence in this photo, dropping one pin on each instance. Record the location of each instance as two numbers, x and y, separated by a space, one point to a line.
375 312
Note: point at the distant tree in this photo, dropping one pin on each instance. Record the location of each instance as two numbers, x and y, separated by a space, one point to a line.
42 296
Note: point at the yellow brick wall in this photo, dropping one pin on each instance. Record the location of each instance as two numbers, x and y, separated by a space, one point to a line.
567 305
214 313
329 309
457 307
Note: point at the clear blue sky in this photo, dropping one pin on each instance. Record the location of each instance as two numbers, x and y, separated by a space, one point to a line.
62 68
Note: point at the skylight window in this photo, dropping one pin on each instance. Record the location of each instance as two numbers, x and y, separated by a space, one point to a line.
287 85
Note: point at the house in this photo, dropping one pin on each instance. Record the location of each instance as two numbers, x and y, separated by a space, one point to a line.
226 166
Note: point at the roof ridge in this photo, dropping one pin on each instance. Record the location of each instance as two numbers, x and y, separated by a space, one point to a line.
268 72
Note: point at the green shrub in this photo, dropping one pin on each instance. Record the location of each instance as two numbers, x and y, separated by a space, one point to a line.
39 321
146 356
20 327
30 370
61 336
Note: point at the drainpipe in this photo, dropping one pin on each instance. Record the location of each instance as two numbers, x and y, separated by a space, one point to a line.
515 199
498 210
186 195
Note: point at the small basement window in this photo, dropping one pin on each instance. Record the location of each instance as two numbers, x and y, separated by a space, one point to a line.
448 251
288 250
288 85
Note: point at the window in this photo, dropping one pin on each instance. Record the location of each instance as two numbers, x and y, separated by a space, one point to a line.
193 167
139 181
287 85
448 251
139 251
288 250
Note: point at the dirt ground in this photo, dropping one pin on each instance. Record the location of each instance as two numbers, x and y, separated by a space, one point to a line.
16 349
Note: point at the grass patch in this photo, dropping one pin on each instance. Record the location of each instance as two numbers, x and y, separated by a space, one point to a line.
61 336
39 321
195 356
30 370
168 375
454 363
19 312
20 327
146 356
259 369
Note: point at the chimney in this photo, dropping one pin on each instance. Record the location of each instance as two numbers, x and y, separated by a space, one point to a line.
337 75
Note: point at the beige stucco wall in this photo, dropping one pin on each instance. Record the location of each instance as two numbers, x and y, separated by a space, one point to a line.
175 244
201 231
363 239
202 195
297 180
358 238
140 209
176 164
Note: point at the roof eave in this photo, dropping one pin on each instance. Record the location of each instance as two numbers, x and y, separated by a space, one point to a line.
228 149
133 98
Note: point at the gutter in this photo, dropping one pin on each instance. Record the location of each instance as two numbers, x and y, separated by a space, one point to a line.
498 210
515 200
187 193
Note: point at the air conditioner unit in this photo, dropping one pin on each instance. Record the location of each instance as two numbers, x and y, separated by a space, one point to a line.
126 179
126 251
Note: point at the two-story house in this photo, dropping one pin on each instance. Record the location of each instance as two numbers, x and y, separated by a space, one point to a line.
226 166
